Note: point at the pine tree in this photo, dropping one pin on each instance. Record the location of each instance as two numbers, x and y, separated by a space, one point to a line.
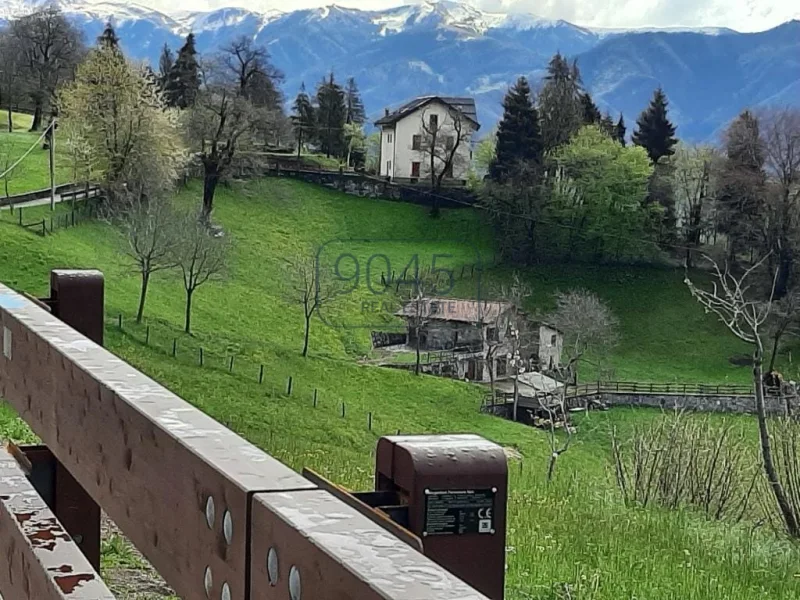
560 102
184 76
591 114
654 131
304 118
355 106
331 116
108 39
519 139
165 62
621 130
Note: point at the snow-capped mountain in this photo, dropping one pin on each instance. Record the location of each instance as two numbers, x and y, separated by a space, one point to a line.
450 47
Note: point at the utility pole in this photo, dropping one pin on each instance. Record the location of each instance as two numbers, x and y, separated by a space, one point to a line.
52 148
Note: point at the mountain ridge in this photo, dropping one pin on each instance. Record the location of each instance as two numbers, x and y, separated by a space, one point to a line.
449 47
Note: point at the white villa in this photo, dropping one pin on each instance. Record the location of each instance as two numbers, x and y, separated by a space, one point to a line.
438 125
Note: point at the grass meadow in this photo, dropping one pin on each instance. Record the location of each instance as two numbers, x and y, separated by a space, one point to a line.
572 538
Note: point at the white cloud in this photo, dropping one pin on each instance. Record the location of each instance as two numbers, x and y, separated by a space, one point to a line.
743 15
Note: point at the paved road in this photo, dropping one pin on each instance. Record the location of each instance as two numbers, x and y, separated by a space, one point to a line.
38 202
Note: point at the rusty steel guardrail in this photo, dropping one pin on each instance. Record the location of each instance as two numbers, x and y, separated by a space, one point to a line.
216 516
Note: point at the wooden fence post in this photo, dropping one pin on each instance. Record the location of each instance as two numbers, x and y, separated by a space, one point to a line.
174 347
289 386
202 358
369 421
315 397
119 320
343 410
230 366
147 337
261 375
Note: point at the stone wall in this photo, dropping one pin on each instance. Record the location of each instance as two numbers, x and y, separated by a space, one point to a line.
775 405
365 186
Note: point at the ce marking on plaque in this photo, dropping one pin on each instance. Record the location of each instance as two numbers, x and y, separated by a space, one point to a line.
485 520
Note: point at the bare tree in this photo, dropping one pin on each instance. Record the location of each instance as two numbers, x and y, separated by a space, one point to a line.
12 82
249 65
9 154
440 143
201 257
308 287
51 48
152 237
519 334
730 298
219 123
587 324
693 183
780 131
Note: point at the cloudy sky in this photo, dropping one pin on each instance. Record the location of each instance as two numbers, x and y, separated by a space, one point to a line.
744 15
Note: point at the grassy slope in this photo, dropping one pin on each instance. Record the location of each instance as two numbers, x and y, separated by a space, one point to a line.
33 173
574 531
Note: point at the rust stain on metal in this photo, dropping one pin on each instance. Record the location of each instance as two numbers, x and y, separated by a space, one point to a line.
68 583
43 561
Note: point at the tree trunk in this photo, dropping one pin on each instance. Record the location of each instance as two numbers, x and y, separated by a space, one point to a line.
142 296
10 119
417 367
299 145
188 324
516 389
784 272
305 336
36 125
787 512
210 181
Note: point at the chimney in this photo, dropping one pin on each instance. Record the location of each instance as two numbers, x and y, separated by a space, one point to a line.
387 111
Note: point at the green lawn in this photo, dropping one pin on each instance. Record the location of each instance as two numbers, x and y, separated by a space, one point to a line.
33 173
573 538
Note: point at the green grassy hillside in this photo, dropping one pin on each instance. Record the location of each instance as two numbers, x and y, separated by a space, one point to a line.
573 538
34 172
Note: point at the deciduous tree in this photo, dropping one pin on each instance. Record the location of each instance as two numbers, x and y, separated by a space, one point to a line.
51 48
152 234
220 123
599 196
201 256
114 111
694 183
589 327
307 287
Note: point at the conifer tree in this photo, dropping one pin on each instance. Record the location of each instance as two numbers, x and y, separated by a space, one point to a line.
108 39
519 139
304 118
331 117
591 114
184 77
621 130
355 106
654 131
560 102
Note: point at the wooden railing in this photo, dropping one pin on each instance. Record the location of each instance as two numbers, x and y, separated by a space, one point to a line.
679 389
